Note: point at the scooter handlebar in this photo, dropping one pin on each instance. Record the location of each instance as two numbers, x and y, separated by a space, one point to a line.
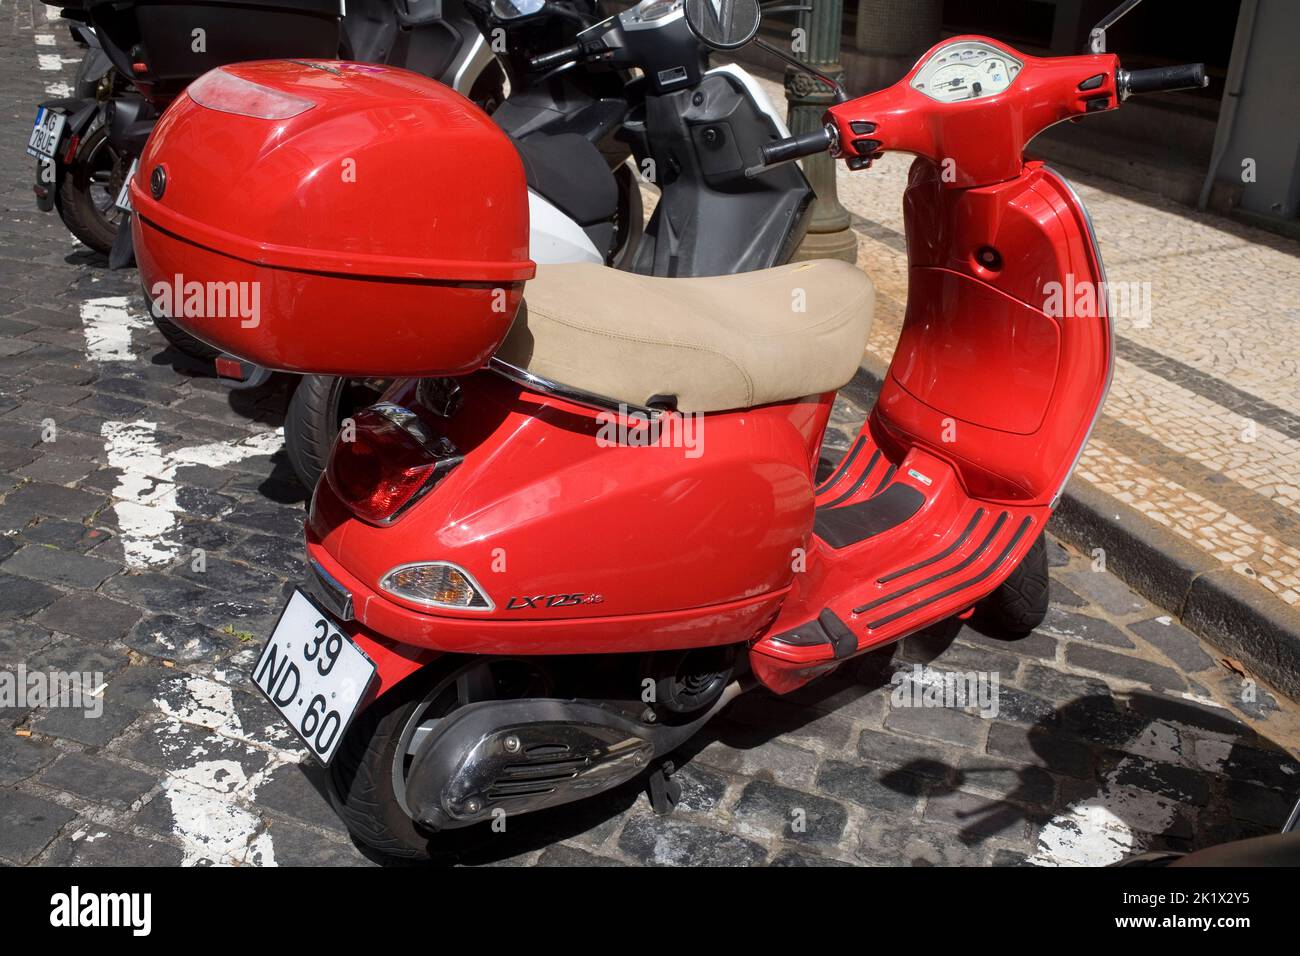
1164 79
792 147
555 57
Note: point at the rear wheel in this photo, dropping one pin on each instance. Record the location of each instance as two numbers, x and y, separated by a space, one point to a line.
87 197
1020 602
368 774
316 411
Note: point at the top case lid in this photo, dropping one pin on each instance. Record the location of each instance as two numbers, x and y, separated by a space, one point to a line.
338 167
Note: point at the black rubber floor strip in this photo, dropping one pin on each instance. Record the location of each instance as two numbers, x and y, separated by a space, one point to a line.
884 481
955 569
857 483
970 529
841 527
962 586
843 466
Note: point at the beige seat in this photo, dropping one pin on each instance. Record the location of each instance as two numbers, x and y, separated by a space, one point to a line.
714 343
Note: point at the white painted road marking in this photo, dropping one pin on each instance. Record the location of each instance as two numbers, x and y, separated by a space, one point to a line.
208 796
147 508
108 324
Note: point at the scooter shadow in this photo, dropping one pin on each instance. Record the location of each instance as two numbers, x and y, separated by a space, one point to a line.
481 846
265 405
1122 786
85 257
1127 793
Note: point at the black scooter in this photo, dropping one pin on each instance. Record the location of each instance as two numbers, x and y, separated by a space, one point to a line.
79 171
140 54
636 86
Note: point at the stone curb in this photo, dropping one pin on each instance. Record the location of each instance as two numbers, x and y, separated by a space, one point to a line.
1239 617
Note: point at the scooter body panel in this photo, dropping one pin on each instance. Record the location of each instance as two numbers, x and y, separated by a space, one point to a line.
712 219
999 370
554 237
585 541
996 381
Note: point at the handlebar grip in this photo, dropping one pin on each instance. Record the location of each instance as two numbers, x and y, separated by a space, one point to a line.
562 55
1163 79
794 147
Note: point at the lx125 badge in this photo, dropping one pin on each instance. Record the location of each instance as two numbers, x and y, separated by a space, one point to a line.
544 602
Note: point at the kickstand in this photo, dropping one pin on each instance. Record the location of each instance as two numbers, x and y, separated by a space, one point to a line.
663 790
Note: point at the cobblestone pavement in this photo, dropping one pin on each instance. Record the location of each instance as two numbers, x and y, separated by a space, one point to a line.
1116 729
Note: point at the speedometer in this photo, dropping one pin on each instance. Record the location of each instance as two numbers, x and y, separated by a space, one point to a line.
966 70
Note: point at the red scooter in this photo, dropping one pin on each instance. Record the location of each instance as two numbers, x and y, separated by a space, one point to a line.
532 581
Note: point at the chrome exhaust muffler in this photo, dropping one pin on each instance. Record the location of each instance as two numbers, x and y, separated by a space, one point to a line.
519 756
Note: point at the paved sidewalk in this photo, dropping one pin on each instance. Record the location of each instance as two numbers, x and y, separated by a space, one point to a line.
1116 729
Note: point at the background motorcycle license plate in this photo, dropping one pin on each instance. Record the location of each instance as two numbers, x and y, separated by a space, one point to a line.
313 675
46 133
123 200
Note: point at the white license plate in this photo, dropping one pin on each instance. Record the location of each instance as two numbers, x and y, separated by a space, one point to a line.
46 133
123 201
313 675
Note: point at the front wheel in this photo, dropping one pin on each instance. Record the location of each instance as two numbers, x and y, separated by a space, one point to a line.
1020 602
369 772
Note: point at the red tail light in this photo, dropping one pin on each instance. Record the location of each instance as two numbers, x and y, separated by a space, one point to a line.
390 463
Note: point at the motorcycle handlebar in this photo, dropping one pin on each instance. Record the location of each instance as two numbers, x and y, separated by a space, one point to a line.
1164 79
555 57
792 147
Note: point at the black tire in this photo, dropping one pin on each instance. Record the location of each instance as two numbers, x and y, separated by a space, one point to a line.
363 786
87 195
182 341
360 786
1020 602
317 408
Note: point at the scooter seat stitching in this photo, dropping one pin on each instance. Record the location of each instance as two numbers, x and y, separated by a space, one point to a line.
620 337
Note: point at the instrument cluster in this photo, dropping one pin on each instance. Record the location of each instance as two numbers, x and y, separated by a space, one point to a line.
966 70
